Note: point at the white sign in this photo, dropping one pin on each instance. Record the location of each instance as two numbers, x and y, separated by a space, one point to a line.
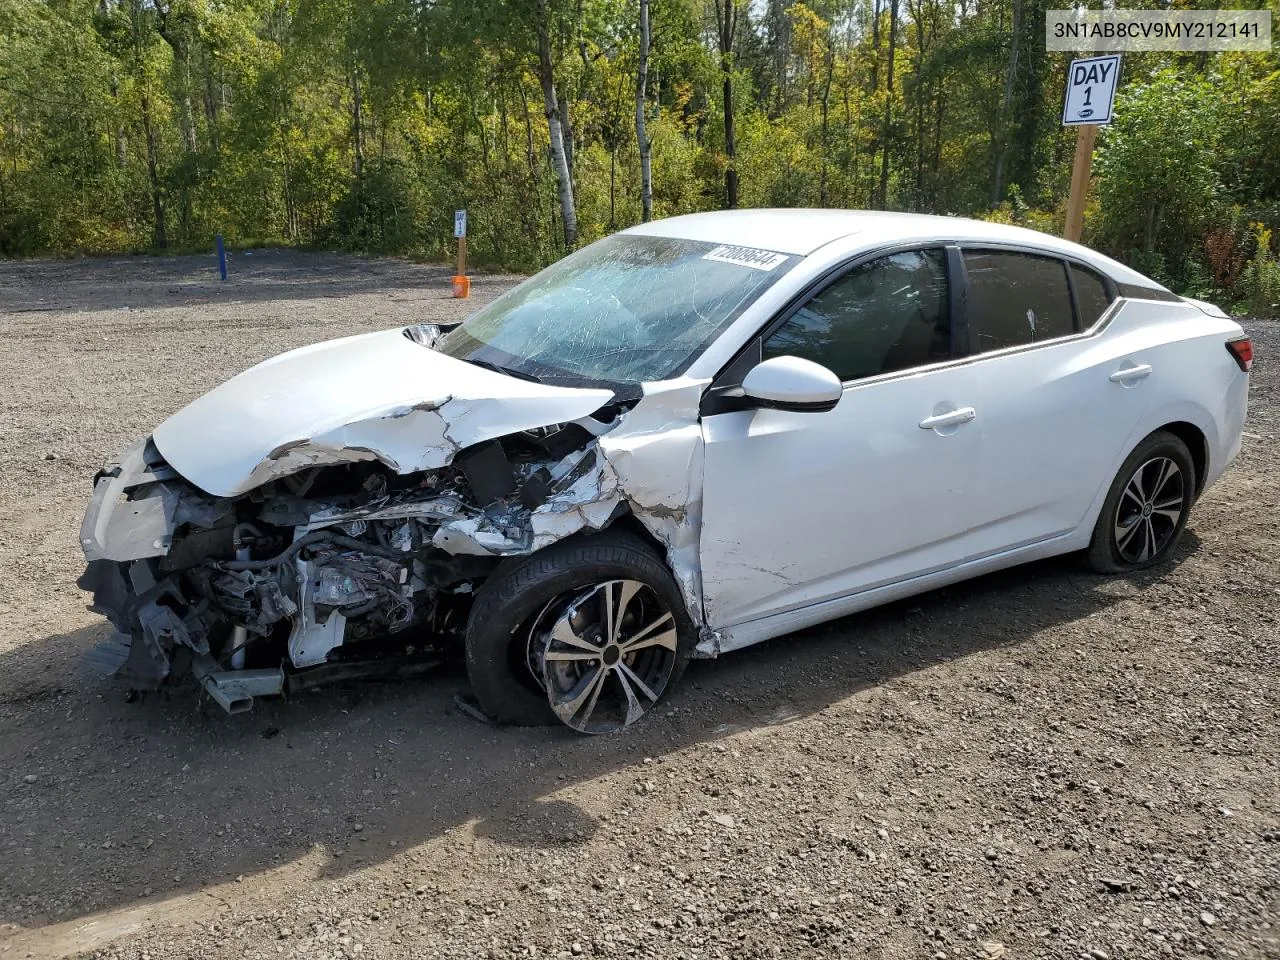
1091 90
459 223
746 257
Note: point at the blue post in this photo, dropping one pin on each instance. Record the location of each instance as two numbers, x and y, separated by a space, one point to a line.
222 256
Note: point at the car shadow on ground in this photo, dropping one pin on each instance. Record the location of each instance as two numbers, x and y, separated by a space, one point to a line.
134 283
166 795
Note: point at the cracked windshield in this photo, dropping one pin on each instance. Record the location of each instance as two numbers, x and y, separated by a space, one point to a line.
624 310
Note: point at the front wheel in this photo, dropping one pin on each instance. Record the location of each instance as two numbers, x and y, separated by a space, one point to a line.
1146 509
590 631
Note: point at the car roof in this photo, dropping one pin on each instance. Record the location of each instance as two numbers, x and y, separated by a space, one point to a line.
802 232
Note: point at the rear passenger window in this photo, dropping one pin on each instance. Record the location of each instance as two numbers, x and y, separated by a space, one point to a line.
1091 295
1016 299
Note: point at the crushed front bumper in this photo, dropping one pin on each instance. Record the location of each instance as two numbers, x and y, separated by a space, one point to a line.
138 501
119 527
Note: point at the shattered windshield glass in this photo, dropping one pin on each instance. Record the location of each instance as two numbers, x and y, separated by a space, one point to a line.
623 310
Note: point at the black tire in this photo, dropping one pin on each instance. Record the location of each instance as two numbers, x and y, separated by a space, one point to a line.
517 592
1110 551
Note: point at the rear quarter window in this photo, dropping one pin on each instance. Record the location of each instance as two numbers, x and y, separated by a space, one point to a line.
1092 298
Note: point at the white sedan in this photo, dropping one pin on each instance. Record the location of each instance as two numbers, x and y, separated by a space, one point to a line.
683 439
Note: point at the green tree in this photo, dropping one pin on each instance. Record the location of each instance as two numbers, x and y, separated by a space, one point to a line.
1158 180
129 124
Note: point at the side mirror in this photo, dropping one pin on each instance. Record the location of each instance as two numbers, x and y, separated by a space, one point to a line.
793 383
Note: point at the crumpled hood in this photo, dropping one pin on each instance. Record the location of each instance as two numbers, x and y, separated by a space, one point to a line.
377 396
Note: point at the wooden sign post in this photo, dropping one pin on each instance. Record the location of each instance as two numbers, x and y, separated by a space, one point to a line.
1086 137
1091 93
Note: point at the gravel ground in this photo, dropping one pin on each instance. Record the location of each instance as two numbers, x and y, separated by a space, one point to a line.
1040 763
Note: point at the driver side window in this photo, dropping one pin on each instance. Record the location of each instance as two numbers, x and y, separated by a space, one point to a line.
886 315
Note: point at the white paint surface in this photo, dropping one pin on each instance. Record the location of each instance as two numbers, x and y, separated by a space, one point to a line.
792 380
378 396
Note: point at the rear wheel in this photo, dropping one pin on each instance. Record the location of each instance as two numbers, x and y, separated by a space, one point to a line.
1146 509
591 632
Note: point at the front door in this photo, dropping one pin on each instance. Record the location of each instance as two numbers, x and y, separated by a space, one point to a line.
799 508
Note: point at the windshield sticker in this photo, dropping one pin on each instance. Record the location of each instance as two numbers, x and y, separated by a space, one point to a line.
747 257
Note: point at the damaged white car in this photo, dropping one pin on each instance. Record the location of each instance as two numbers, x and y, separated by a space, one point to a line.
688 437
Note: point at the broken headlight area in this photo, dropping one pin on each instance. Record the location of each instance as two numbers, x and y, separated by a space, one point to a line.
339 570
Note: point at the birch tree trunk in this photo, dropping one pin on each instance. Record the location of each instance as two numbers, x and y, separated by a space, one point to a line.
188 117
564 181
642 136
121 135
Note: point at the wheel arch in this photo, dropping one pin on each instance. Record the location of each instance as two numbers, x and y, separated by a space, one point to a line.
495 647
1191 423
1197 443
625 520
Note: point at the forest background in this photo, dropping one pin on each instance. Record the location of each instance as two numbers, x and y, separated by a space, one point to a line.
147 125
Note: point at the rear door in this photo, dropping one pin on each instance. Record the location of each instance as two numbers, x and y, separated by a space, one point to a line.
1060 399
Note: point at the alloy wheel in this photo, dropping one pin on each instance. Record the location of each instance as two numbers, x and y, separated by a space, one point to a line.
604 655
1149 510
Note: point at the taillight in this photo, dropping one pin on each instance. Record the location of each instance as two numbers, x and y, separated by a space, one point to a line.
1242 350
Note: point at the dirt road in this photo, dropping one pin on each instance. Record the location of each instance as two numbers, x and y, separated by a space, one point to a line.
1041 763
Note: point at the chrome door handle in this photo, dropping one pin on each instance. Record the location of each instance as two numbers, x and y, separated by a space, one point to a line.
1136 372
951 419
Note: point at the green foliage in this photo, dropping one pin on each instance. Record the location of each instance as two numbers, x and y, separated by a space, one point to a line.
362 124
379 212
1260 282
1158 174
1016 212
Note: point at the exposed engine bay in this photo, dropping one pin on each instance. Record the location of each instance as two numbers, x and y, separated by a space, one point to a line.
347 567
